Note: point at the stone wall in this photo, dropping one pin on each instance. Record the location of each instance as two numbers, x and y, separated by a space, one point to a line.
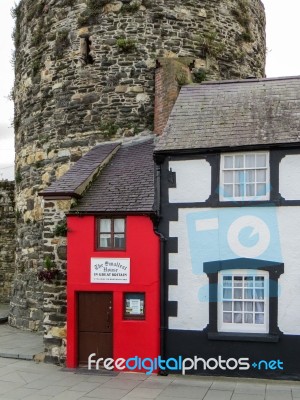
55 297
7 239
85 73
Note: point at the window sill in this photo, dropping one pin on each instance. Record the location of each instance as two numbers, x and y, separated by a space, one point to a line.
243 337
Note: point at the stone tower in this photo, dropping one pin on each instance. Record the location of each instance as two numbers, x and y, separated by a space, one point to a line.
84 73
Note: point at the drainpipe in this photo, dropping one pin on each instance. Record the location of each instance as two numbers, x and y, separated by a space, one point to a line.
163 327
162 241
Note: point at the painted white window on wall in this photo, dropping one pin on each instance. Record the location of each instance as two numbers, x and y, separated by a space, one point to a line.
243 301
245 176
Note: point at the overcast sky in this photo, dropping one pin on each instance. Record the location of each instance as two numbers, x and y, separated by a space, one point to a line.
283 59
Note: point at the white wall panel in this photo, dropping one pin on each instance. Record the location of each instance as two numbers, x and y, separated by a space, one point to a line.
193 181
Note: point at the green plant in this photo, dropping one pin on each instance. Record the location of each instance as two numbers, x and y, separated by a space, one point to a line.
34 10
17 122
35 66
246 36
210 43
182 78
49 272
18 214
61 43
108 129
16 14
131 8
243 17
48 263
61 228
126 45
37 36
18 177
200 75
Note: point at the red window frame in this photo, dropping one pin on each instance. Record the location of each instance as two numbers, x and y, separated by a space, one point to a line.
134 316
112 233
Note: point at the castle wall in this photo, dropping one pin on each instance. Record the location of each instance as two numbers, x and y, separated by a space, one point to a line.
7 239
85 74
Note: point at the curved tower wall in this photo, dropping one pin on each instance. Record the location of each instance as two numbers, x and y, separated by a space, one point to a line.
84 73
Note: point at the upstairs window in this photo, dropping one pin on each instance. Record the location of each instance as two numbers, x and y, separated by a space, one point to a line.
244 176
111 233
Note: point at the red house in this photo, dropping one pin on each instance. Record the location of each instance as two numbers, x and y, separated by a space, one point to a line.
113 254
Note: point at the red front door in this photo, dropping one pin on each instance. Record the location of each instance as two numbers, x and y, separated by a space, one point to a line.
94 326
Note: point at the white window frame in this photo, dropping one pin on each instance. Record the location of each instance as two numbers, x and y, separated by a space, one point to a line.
245 198
244 327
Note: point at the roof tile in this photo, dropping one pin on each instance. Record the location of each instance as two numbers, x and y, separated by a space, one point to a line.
234 113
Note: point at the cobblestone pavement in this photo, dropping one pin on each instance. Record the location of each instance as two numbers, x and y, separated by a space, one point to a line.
20 379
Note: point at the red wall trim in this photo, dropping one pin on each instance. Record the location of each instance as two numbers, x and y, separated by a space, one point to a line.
130 337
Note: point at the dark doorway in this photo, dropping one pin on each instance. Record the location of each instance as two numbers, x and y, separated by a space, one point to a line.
94 326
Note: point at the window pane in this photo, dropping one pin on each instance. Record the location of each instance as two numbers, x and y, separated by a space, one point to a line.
227 317
238 318
259 318
105 240
248 293
227 293
248 281
261 189
238 281
248 306
238 294
239 161
259 294
228 162
259 281
239 176
228 190
250 161
261 160
227 306
227 281
134 304
250 175
259 306
119 225
248 318
261 175
119 241
238 306
250 190
239 190
105 225
228 176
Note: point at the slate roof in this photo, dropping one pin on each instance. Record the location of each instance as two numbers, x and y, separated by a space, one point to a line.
234 113
69 183
126 184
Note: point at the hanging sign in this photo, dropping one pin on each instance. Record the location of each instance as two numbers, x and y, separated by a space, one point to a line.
110 270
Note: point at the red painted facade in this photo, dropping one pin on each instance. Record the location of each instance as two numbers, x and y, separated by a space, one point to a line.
130 337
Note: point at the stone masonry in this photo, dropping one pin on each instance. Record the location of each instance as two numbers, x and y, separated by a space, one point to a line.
7 239
85 74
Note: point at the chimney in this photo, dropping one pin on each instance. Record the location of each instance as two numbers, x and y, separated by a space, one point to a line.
170 75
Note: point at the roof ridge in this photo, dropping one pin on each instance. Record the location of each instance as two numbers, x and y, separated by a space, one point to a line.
246 80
